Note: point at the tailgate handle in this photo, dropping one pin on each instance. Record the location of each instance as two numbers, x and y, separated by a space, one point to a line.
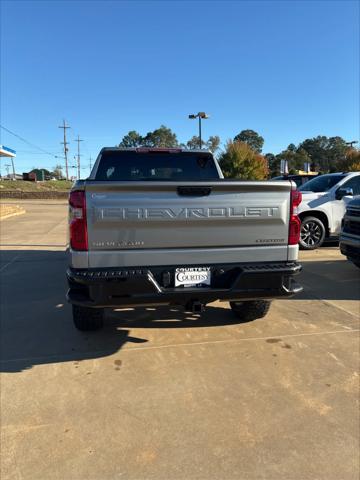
194 191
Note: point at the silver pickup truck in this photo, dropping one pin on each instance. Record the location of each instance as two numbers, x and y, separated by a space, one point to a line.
153 227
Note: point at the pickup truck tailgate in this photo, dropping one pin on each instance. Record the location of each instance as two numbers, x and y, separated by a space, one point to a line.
161 217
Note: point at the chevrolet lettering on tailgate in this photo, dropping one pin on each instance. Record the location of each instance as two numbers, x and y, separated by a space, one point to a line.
188 212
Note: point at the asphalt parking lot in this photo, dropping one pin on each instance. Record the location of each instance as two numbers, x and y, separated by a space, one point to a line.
162 394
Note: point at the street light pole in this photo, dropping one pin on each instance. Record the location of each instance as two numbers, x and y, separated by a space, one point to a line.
200 142
199 115
352 143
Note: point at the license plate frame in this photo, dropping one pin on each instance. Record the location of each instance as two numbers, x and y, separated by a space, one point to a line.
196 277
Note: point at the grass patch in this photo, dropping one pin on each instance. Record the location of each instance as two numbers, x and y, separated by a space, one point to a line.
22 186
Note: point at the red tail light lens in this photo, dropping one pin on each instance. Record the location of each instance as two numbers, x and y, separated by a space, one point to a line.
294 230
296 198
295 223
77 219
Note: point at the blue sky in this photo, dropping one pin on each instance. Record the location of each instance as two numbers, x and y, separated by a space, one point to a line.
286 69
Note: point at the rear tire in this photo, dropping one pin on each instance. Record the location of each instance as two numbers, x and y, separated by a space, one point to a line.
250 310
88 319
356 263
312 233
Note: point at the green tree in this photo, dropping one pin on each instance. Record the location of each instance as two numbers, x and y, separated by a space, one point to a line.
161 137
287 155
351 161
302 157
337 149
316 149
194 143
131 139
296 157
57 172
213 143
273 164
326 153
252 138
241 161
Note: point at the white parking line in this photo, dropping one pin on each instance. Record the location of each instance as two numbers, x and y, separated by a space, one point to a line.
280 337
154 347
9 263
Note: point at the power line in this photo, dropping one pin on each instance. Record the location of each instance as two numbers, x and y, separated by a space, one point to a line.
26 141
89 165
32 153
65 143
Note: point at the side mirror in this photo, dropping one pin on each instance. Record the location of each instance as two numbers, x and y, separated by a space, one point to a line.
343 192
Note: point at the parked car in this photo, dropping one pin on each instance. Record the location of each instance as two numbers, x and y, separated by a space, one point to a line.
163 227
323 205
299 179
350 232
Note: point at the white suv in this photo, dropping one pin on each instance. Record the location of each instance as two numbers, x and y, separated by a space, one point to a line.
323 206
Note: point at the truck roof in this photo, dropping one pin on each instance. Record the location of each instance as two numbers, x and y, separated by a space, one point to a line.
155 149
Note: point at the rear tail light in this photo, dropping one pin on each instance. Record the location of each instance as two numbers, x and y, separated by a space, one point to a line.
295 223
77 220
296 198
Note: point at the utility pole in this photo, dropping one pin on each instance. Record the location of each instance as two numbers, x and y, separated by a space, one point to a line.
65 143
78 140
7 165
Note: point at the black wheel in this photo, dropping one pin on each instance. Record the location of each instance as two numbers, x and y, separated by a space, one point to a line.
250 310
356 263
312 234
86 319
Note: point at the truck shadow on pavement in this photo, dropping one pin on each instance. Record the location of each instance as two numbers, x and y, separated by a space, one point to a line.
36 322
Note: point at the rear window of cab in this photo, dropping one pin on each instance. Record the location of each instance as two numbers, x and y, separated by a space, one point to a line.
143 166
